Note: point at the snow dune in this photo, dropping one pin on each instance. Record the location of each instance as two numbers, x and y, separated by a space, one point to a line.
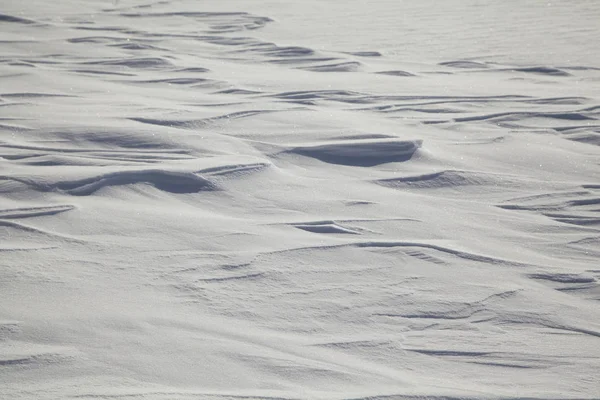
299 200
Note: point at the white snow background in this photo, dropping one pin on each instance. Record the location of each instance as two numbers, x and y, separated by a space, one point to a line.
299 199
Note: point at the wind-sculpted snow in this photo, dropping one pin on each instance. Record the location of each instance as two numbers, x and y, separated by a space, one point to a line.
362 153
299 200
174 182
12 18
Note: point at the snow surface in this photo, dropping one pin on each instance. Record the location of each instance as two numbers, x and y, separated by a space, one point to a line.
299 200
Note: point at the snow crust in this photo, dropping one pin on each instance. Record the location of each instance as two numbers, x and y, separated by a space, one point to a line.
299 200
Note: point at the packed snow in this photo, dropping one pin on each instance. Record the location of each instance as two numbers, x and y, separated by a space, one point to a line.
299 199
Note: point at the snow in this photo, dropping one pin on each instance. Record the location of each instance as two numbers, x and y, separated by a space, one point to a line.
299 200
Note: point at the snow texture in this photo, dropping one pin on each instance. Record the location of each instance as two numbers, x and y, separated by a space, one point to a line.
299 199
